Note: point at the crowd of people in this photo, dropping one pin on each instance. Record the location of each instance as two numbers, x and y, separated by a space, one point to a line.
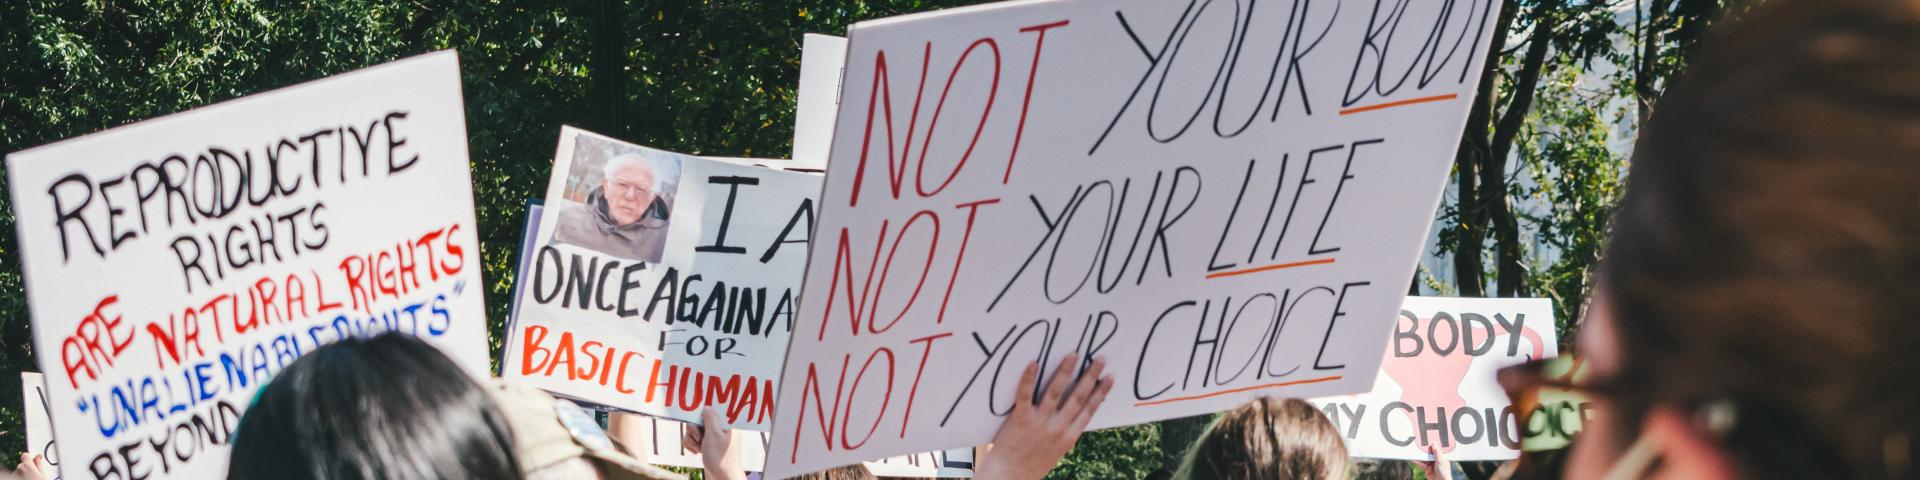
1748 321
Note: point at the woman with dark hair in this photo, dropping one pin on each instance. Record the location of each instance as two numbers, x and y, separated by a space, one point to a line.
1268 439
386 407
1756 314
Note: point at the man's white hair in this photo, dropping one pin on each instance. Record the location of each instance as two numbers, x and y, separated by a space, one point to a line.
659 173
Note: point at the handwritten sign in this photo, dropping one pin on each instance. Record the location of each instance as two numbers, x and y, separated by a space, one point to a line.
662 283
1224 201
33 386
665 448
1561 414
173 266
1437 387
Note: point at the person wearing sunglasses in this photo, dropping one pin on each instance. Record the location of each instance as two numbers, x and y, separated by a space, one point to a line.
1755 310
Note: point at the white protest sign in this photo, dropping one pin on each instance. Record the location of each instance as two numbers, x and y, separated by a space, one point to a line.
33 386
664 447
1437 387
529 243
662 283
1225 202
822 59
173 266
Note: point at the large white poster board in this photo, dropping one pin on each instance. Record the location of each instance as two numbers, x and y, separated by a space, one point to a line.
662 283
664 447
173 266
1437 389
1224 201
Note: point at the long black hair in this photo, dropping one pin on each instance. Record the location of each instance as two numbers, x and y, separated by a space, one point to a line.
385 407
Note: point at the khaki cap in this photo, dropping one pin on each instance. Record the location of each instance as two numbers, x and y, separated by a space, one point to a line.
547 431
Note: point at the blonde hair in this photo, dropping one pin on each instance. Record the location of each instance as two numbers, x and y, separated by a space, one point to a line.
1268 439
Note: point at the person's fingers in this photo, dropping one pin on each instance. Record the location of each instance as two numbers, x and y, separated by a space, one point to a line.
1023 394
30 465
1083 387
711 418
1097 397
1057 386
690 436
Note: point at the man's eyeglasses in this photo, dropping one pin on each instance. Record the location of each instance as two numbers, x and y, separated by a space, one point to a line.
623 188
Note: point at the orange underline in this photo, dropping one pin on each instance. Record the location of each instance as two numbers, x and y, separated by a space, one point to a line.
1369 108
1237 390
1245 271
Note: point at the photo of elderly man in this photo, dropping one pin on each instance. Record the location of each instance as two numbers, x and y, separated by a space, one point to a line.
625 214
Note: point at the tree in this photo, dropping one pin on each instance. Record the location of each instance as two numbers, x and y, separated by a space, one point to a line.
1551 101
702 77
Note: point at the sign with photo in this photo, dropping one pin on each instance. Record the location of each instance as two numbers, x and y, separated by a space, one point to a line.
661 283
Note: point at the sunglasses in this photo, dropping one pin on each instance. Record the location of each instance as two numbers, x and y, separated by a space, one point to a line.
1551 400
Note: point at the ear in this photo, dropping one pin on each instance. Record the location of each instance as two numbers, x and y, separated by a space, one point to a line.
1686 449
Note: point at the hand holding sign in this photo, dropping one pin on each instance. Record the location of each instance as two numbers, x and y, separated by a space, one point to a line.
1016 182
1039 433
721 457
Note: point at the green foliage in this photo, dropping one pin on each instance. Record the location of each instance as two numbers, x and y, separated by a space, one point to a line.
1125 452
714 77
1578 179
1570 154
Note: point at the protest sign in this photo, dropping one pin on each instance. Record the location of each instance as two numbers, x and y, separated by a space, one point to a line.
529 243
33 386
1225 202
1559 414
1437 387
662 283
173 266
664 447
822 59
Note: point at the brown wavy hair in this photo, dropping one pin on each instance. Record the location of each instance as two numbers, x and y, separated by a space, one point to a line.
1268 439
1767 252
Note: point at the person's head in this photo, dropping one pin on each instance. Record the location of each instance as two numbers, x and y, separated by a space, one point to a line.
1756 315
387 407
630 183
1268 439
843 472
1382 470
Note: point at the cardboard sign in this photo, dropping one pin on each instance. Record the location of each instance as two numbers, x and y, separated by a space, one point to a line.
1437 387
33 386
665 448
1225 202
823 58
173 266
662 283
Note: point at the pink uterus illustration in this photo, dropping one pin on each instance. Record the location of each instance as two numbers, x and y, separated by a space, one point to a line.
1431 380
